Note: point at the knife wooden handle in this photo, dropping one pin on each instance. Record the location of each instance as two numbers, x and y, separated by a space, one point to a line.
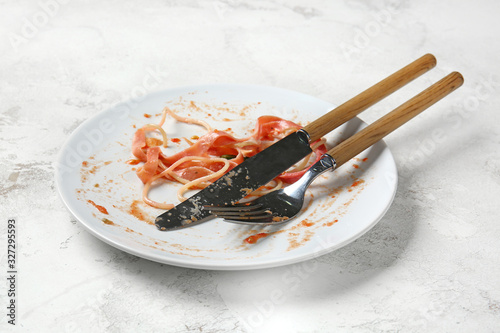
394 119
367 98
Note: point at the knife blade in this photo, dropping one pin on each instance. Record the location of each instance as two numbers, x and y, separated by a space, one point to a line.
249 175
272 161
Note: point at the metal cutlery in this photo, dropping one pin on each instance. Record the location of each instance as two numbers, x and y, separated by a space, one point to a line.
261 168
283 205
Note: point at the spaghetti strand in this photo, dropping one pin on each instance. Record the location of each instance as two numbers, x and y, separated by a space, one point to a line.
210 156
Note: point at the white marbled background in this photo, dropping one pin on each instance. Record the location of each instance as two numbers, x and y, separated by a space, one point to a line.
432 264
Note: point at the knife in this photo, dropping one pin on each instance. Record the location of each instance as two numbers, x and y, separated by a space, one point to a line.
261 168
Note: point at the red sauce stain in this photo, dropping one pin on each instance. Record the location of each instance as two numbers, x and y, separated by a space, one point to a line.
296 240
306 223
93 170
357 182
136 211
254 238
147 115
99 207
356 166
133 161
329 224
108 222
293 244
85 163
175 140
365 159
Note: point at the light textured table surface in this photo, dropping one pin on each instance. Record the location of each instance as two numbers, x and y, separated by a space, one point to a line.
432 263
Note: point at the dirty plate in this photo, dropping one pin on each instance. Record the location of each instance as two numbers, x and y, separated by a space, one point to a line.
103 193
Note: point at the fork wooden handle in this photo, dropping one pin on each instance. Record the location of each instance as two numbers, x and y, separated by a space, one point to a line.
367 98
368 136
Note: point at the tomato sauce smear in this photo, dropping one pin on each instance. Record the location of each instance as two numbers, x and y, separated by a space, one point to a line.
99 207
254 238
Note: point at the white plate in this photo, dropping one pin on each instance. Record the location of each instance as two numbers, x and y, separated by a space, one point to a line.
337 214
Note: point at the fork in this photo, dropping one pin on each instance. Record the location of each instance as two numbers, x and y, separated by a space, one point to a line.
283 205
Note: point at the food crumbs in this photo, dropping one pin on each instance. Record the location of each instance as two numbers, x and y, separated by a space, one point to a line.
279 218
356 166
365 159
147 115
175 140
